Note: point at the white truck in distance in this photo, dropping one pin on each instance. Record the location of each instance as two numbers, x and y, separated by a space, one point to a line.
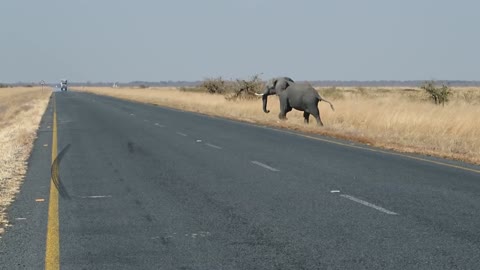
63 85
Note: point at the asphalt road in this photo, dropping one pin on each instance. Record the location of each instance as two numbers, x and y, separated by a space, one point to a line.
145 187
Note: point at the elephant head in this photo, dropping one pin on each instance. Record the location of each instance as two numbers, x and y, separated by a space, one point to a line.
274 87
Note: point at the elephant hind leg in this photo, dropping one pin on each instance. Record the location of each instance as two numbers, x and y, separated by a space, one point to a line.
316 114
319 121
306 117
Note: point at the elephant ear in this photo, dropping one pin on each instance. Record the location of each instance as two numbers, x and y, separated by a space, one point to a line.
288 82
283 83
272 87
274 83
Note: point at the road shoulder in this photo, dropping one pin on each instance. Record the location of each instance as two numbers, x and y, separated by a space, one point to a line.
23 243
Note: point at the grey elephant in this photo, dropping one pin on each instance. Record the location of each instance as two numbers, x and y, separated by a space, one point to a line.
292 95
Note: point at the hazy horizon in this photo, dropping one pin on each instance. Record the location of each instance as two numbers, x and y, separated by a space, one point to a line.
124 41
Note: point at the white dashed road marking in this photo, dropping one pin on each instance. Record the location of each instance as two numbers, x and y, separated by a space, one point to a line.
265 166
376 207
96 197
213 146
157 124
182 134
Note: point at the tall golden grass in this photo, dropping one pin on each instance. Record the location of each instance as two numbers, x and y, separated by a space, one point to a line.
393 118
21 110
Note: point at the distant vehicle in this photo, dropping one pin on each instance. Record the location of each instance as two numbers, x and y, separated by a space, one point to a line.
63 85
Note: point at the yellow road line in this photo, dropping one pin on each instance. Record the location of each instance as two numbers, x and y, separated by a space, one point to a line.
52 254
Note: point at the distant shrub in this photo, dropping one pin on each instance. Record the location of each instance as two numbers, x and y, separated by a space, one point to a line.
471 97
233 90
3 85
142 86
362 91
439 95
191 89
246 89
215 85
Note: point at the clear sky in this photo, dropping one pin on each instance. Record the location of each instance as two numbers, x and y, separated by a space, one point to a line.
155 40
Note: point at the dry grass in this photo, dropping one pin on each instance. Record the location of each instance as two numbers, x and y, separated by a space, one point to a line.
21 110
393 118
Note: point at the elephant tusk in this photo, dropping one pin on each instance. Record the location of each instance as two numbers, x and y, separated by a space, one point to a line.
257 94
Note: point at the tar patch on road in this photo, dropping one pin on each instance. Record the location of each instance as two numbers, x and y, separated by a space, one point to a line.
134 148
55 168
131 148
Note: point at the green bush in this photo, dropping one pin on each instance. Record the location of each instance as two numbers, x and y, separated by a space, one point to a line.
439 95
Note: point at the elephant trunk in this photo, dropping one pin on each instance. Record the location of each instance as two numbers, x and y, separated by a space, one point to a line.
267 92
264 100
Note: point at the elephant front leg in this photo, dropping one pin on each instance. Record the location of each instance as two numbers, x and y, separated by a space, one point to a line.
306 117
282 116
284 109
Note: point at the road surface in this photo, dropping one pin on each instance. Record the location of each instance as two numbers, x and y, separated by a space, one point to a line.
138 186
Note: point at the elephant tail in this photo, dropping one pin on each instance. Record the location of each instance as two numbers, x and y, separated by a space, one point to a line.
320 98
331 105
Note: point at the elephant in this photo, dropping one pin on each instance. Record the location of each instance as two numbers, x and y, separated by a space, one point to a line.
292 95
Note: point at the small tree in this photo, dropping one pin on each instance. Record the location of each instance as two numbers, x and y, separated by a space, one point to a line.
233 90
246 89
214 85
439 95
